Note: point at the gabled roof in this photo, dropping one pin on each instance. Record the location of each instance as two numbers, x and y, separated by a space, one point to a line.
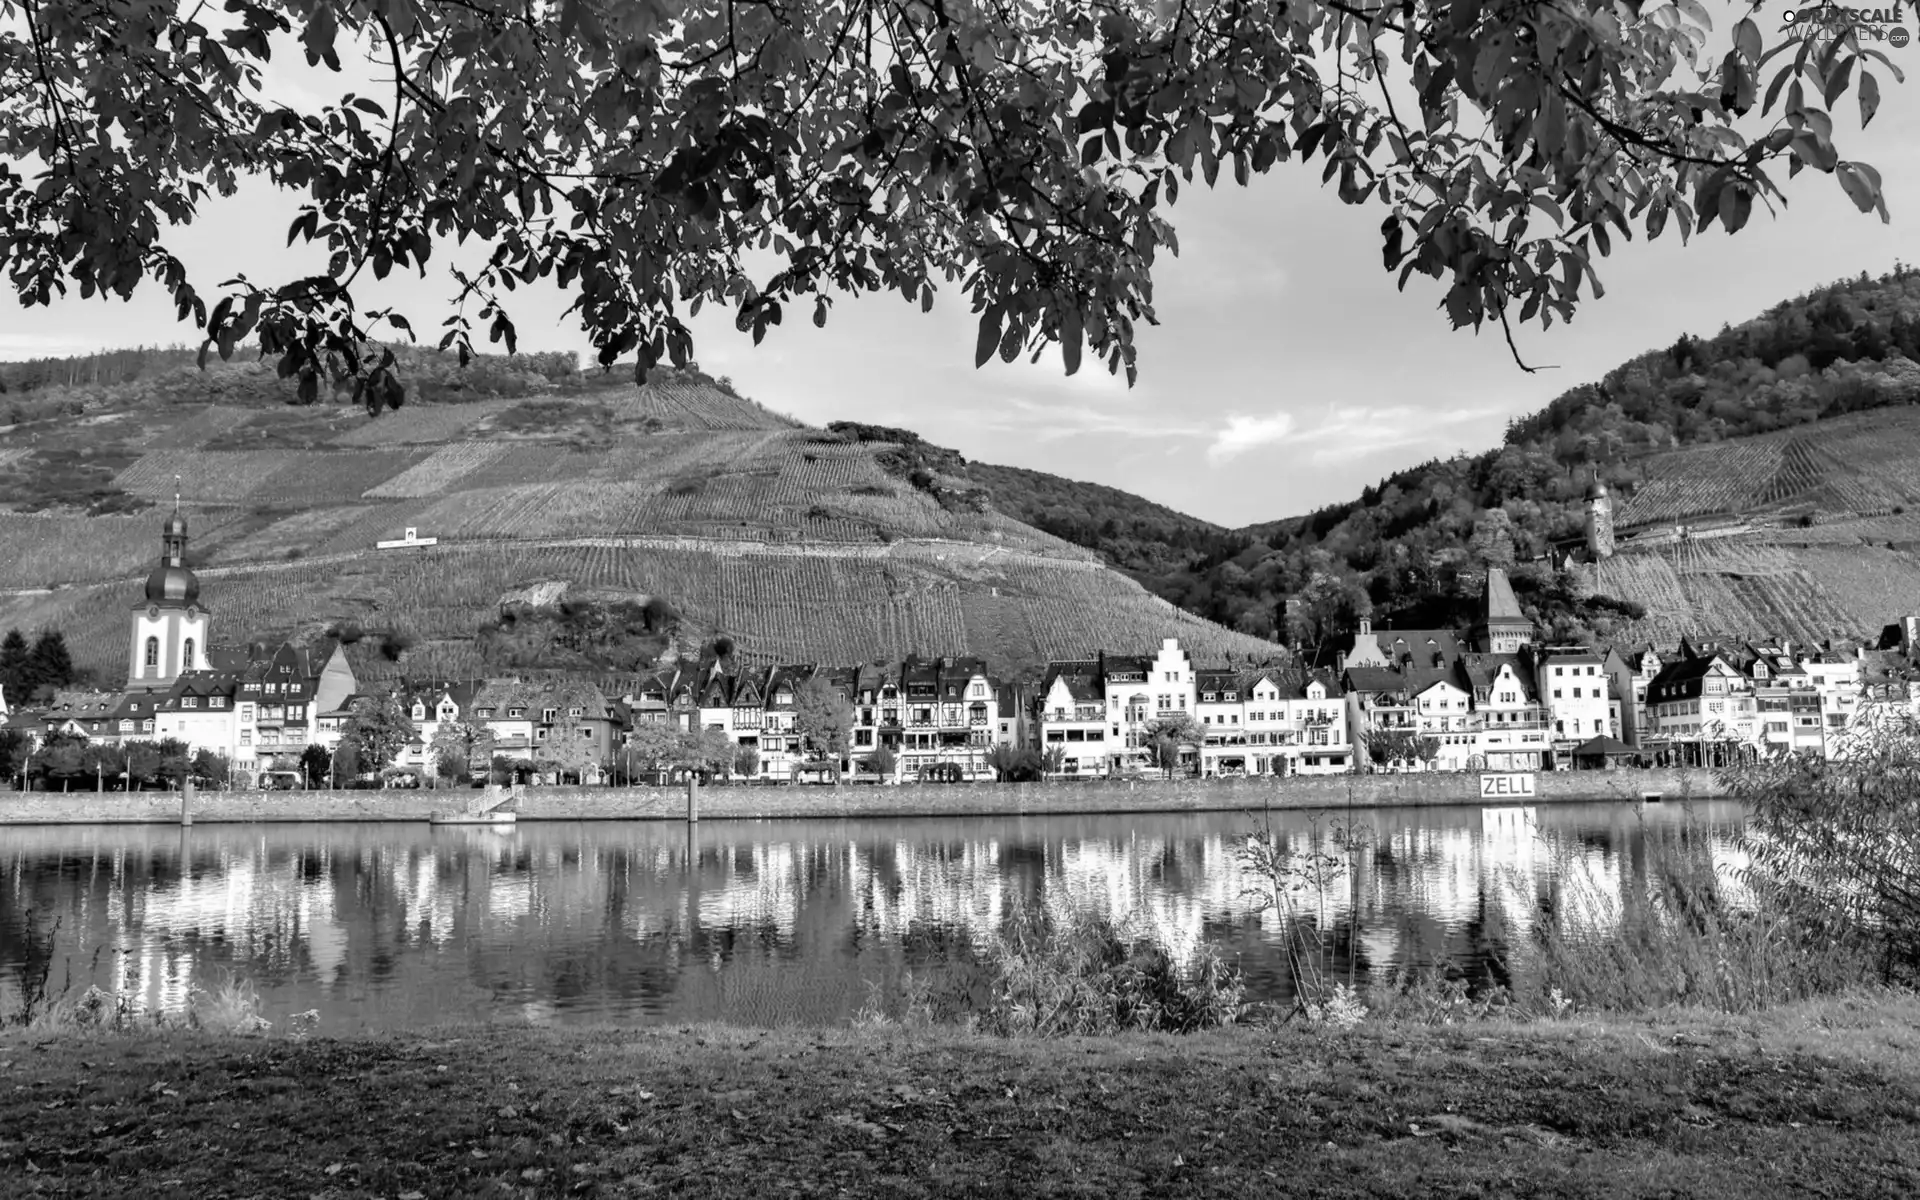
1482 669
1375 680
1082 680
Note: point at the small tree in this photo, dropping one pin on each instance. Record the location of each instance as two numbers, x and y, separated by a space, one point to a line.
13 752
823 717
345 761
13 666
746 761
1428 749
1386 746
1053 761
654 745
1168 735
1006 760
50 666
314 763
106 762
882 762
215 769
143 764
63 757
176 761
379 730
456 744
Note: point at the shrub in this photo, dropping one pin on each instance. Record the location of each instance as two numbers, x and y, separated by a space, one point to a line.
1835 844
1057 971
1686 935
687 485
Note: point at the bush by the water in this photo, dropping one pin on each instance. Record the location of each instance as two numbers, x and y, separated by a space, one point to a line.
1057 971
1836 844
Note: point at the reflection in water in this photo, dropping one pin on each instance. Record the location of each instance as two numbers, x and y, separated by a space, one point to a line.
384 926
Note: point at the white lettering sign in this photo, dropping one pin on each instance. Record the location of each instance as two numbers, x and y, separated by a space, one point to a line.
1506 786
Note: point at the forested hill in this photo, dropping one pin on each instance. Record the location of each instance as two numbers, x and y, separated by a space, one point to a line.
1411 548
1147 540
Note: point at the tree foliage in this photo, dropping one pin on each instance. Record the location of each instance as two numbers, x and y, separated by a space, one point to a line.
458 744
652 158
823 717
379 730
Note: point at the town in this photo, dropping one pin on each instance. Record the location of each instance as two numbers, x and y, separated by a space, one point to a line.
292 715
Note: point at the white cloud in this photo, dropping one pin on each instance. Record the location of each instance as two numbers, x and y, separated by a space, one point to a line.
1052 422
1242 433
1360 430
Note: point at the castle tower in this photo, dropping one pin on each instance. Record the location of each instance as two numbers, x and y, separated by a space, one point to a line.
168 628
1599 519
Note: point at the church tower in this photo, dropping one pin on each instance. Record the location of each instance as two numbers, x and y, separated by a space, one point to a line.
1599 519
1502 628
169 628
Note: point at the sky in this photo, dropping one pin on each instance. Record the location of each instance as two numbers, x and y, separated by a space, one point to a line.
1287 371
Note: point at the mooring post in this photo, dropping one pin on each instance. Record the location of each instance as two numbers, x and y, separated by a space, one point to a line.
186 802
693 798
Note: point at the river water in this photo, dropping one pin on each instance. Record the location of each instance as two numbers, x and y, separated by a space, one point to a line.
392 926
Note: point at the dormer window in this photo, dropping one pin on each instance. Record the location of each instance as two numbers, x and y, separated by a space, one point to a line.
516 712
548 714
483 712
189 702
576 711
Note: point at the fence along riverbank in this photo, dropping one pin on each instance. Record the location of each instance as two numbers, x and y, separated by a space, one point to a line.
865 800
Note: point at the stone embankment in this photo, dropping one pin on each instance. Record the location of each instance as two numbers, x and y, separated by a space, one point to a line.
919 800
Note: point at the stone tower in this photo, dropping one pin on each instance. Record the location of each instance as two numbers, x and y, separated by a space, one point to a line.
1599 519
168 628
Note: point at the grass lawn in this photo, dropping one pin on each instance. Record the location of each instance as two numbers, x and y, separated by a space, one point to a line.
1820 1100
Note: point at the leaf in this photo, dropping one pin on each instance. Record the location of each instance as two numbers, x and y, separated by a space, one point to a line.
1736 205
1747 40
1862 185
989 340
1869 97
1072 335
1837 81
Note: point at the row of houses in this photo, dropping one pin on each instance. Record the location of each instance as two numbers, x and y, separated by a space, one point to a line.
1395 699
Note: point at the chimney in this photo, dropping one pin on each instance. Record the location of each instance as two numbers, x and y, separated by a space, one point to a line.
1366 626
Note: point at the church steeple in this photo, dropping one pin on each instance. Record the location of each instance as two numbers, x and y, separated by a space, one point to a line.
169 628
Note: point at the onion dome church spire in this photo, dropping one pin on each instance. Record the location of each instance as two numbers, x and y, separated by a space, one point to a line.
168 627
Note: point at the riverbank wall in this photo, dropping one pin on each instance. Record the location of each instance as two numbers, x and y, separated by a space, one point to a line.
866 800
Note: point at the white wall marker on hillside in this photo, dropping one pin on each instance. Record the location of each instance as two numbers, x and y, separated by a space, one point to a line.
413 538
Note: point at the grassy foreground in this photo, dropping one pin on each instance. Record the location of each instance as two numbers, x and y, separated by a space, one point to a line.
1816 1100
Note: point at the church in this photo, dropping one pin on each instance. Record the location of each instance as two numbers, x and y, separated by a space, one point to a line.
252 705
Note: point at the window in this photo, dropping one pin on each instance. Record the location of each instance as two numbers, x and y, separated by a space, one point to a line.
186 660
548 714
189 702
217 701
153 652
146 726
1576 693
1556 693
521 712
539 735
483 712
246 737
575 711
126 727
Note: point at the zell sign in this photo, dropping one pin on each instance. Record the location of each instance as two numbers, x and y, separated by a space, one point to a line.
1506 787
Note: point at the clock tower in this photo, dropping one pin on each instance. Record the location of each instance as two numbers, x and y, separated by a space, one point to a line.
169 627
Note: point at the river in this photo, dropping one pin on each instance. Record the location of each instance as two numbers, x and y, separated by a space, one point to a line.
761 922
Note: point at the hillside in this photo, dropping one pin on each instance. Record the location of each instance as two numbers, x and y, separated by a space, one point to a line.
558 516
1801 416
